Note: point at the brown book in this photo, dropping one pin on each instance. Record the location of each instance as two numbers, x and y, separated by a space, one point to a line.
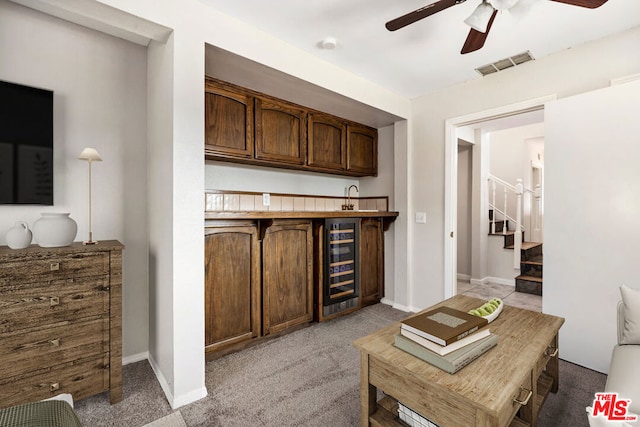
444 325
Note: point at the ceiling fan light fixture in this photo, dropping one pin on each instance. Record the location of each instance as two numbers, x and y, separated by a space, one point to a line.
480 17
503 4
521 9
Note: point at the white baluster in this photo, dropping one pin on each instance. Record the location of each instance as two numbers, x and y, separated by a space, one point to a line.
538 212
493 203
517 242
504 223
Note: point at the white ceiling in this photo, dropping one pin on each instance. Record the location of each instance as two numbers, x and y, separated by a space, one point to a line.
425 56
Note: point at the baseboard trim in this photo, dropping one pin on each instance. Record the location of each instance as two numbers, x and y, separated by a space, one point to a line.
497 280
395 305
464 277
176 401
134 358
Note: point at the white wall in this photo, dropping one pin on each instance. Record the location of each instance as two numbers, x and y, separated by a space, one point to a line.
99 85
230 176
592 154
567 73
465 164
176 167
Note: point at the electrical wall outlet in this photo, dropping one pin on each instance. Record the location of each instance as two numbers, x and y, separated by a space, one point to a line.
421 217
266 199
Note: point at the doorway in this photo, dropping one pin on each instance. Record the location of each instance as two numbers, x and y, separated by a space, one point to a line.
455 127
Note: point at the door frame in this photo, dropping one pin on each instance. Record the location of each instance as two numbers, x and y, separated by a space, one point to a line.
451 176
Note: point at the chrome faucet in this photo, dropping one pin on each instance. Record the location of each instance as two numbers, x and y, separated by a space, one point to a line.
349 206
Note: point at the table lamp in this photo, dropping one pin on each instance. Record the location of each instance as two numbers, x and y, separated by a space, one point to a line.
90 155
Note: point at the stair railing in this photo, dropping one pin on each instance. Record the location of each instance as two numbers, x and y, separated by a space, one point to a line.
518 190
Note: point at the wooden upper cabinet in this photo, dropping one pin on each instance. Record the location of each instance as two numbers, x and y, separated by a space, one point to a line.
281 132
327 142
362 150
228 123
245 126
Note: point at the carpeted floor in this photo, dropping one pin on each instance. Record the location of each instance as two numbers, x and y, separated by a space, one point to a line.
307 378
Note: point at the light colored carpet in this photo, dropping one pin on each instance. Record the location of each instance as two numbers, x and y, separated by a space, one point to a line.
171 420
307 378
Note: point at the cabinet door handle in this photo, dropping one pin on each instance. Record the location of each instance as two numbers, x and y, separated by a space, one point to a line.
56 342
54 266
524 401
551 352
54 301
54 387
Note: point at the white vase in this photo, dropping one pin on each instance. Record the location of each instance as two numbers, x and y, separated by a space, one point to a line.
19 236
52 230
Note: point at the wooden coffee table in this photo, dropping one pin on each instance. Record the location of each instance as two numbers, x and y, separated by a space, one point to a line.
506 386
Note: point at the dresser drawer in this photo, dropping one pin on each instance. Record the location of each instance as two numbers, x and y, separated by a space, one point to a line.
29 305
23 352
81 378
38 267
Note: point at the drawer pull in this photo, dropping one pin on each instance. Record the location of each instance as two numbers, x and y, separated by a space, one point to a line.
54 266
54 301
551 352
56 342
54 387
526 400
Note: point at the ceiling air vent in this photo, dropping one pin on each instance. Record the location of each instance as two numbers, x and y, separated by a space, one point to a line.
505 63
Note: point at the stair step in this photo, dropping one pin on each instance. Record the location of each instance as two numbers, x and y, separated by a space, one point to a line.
499 226
526 245
536 260
530 278
533 269
529 285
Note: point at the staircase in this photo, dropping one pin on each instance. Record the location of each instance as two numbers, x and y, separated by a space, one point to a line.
530 279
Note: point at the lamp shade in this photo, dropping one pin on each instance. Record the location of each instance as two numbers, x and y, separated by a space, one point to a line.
90 154
480 17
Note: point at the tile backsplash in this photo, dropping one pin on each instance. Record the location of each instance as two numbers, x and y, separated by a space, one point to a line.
235 202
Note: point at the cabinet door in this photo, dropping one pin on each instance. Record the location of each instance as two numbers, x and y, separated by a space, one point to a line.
281 132
228 123
232 285
327 143
362 150
371 261
287 263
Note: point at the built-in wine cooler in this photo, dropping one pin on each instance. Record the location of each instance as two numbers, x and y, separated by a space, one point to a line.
341 285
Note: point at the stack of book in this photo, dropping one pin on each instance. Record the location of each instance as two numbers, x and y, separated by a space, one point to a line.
445 337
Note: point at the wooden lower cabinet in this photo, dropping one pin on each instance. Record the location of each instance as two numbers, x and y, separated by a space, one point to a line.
232 284
371 261
287 275
262 275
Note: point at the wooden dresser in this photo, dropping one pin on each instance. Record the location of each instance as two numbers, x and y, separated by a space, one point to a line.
60 322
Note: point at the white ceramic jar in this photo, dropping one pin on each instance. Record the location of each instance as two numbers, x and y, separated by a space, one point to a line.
19 236
53 230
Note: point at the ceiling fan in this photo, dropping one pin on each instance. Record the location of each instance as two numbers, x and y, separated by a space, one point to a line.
481 19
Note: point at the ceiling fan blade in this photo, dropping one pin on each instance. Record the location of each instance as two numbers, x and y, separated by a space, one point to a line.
423 12
475 40
591 4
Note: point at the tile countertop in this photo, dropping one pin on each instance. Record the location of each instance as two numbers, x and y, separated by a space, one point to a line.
300 214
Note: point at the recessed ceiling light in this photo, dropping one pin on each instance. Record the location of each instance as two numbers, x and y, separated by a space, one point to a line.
329 43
